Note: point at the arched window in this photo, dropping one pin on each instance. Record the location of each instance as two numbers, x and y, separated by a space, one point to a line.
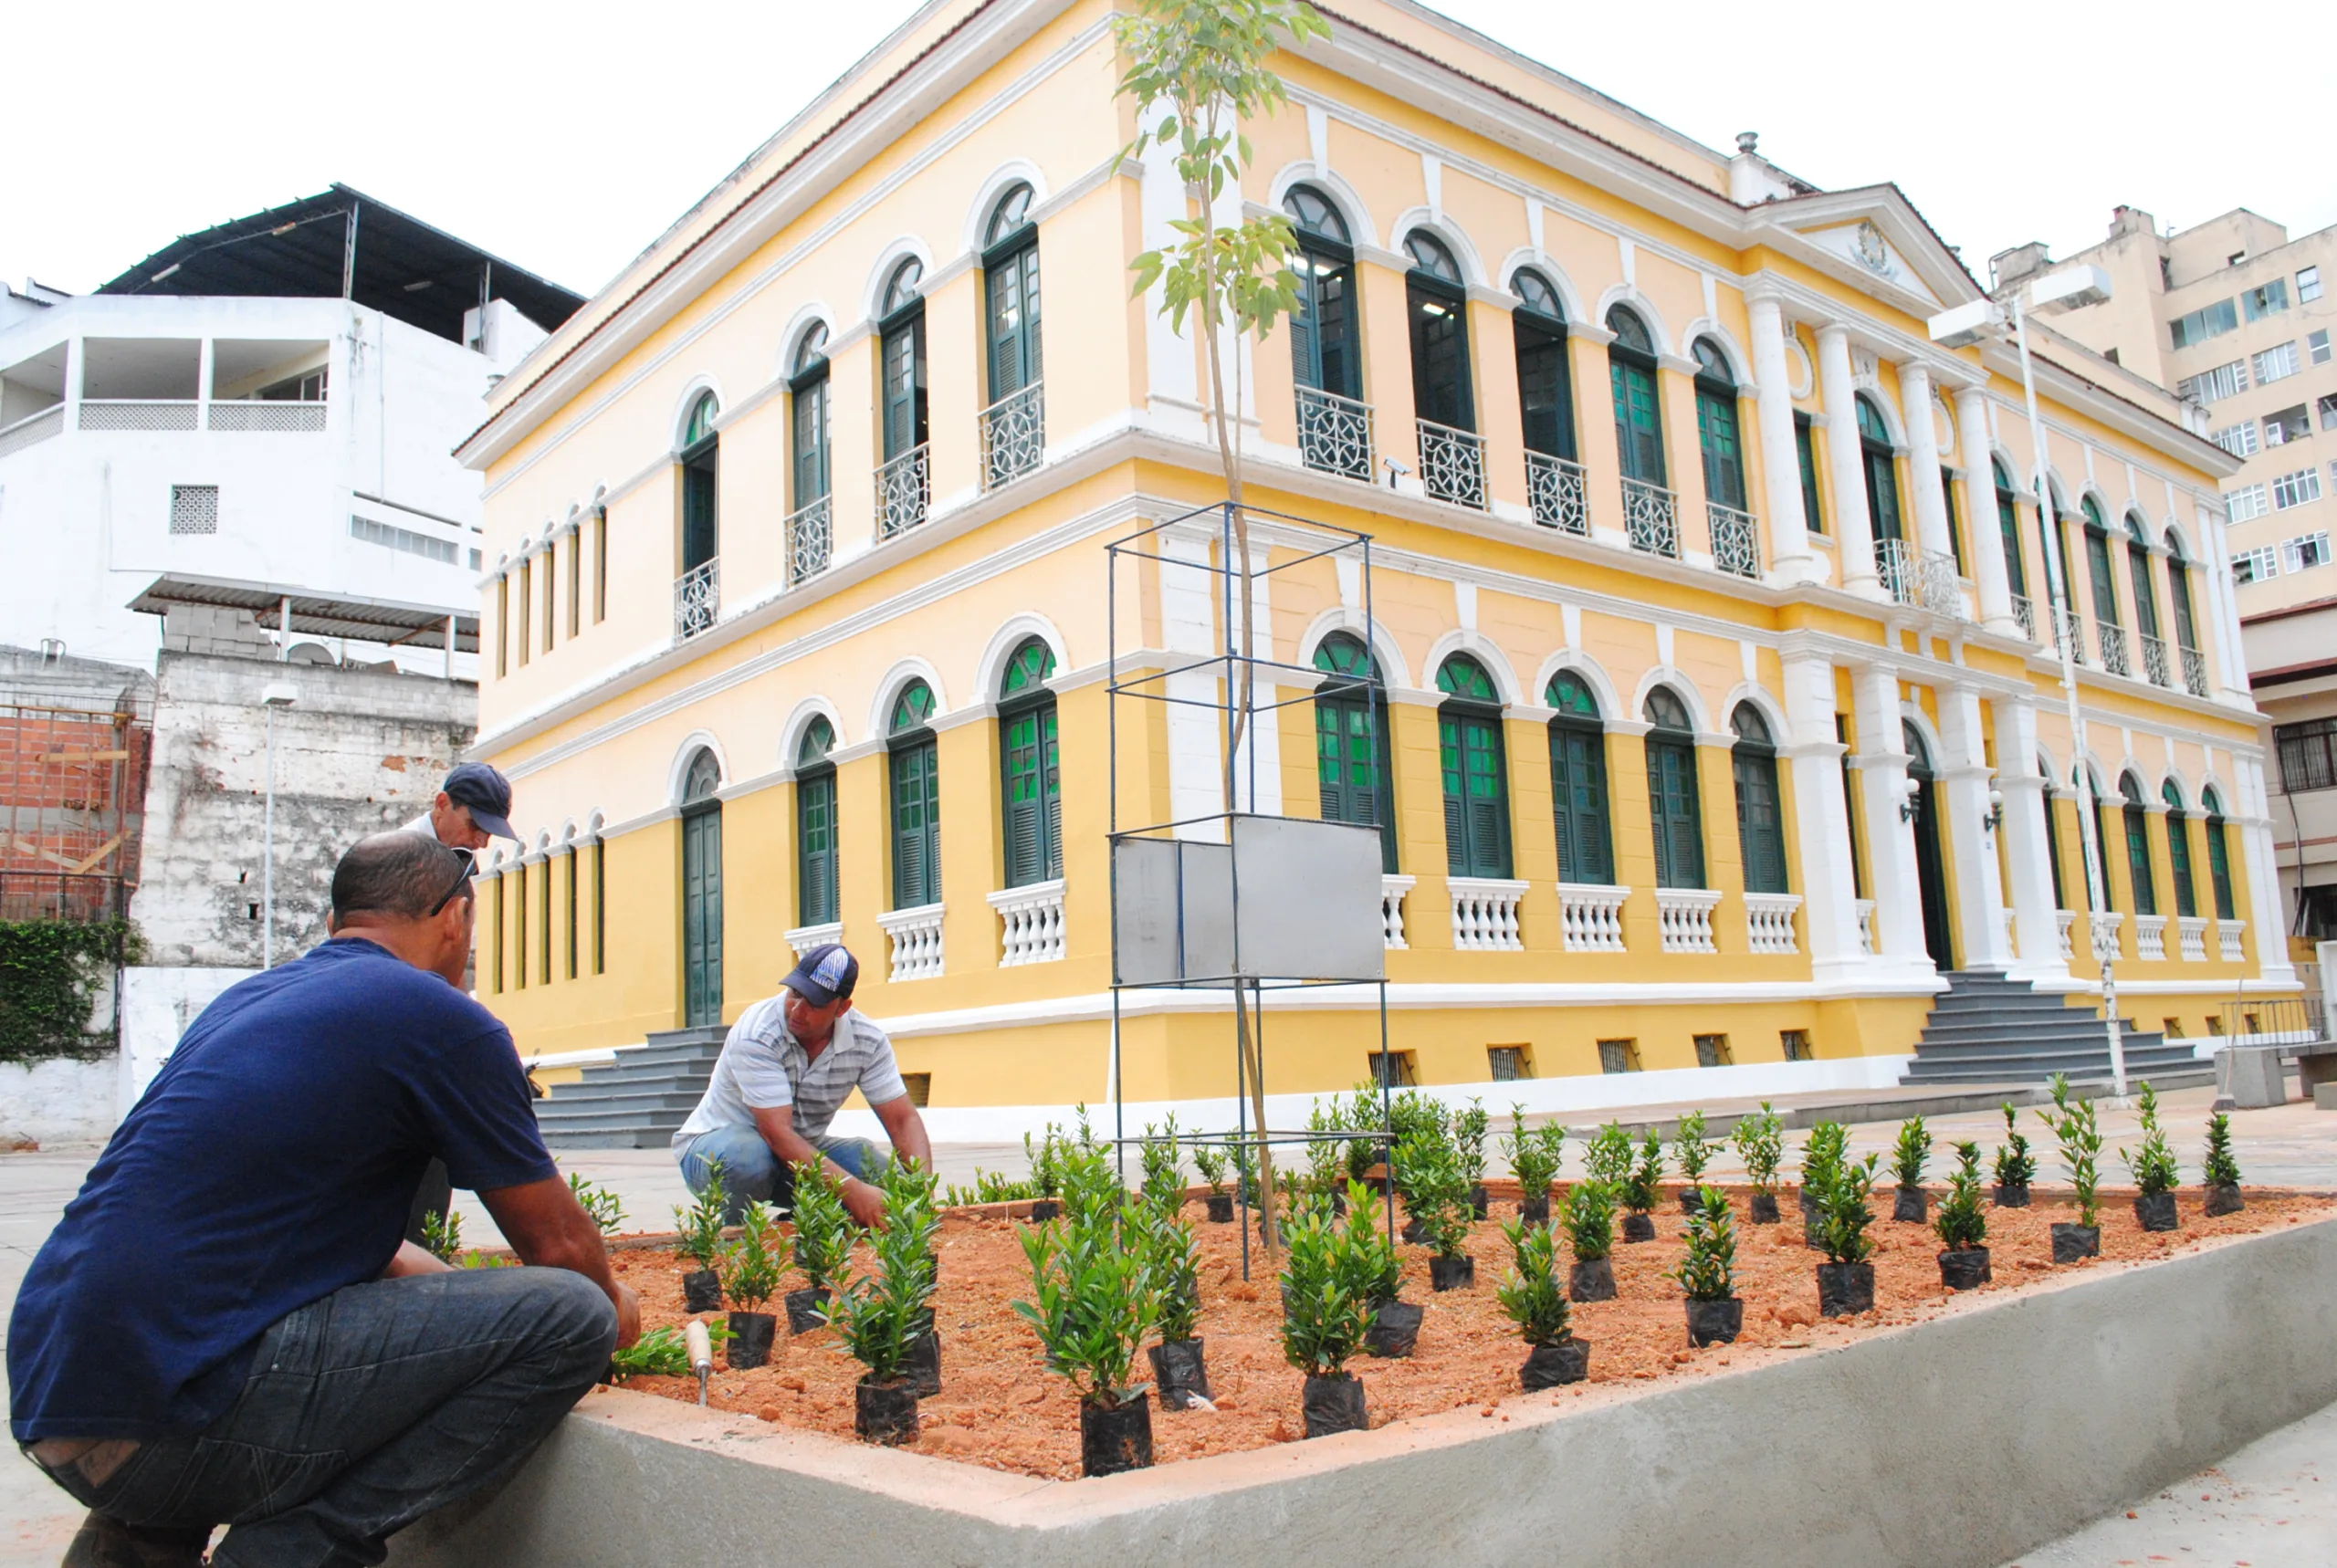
808 384
1476 777
1639 414
901 355
1881 472
2058 528
2137 822
2143 582
1437 308
701 527
815 826
1760 820
2178 850
2052 834
2009 528
1545 381
1674 802
1352 754
1717 434
2219 855
701 892
1578 781
1011 288
915 763
2186 629
1324 353
2100 578
1031 762
2091 787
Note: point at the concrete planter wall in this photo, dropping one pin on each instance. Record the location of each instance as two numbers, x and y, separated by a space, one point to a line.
1964 1440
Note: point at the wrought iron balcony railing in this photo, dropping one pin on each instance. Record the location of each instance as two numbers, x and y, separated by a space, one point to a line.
1918 576
1452 463
810 540
1558 490
697 598
1014 436
2024 611
2155 668
2116 657
1736 540
1651 518
904 492
1335 434
2194 671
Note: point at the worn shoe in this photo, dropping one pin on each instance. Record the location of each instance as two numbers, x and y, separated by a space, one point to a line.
105 1542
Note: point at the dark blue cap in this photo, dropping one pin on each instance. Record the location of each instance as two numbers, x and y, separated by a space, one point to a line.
825 973
487 793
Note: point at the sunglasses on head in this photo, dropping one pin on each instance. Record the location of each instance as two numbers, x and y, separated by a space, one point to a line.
469 870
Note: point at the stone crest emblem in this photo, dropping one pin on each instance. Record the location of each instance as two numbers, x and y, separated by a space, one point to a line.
1868 246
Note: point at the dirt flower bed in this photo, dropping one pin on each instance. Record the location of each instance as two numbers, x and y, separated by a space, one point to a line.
1000 1406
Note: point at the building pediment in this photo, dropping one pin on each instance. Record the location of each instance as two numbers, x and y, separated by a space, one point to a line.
1872 237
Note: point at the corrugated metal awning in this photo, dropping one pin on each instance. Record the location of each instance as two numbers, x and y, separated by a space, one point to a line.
317 615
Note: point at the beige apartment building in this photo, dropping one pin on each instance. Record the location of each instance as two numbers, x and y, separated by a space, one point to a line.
2231 315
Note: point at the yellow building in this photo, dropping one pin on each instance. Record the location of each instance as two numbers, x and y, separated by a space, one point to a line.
1706 593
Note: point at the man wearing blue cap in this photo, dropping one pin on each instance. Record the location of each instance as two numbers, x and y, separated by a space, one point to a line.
474 806
786 1066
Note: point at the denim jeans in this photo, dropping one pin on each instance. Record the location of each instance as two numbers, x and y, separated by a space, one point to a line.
368 1409
749 1169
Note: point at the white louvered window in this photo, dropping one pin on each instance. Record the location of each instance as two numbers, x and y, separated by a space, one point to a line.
2296 489
2274 364
194 508
2239 440
2245 501
2209 386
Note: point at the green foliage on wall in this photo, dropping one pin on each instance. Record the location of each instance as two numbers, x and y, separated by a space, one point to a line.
49 971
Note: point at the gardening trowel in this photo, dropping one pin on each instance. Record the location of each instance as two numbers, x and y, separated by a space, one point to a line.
701 1349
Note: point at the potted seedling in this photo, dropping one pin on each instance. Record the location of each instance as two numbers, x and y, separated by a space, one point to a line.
1377 1274
2079 1136
1707 1273
1180 1362
2221 1176
606 1209
442 1233
1469 1131
663 1352
1639 1189
1962 1226
1363 1116
2015 1167
1439 1205
1692 1151
1536 1303
750 1272
697 1235
1606 1159
1821 1155
1163 1183
1846 1279
1908 1158
1094 1304
1326 1286
1588 1214
1046 1172
823 1237
1209 1160
1760 1143
1534 1158
1326 1155
885 1318
2154 1169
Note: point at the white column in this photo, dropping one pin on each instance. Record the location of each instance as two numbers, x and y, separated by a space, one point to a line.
2027 844
1853 529
1188 604
1258 759
2264 901
2231 662
1790 553
1821 820
1987 562
1890 837
1922 458
1965 780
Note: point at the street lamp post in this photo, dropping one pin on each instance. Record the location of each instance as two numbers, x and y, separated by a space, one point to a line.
1967 324
277 694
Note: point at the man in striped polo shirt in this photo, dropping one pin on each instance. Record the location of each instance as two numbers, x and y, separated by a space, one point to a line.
786 1066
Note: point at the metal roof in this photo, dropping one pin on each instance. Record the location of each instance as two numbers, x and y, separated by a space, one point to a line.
317 614
403 267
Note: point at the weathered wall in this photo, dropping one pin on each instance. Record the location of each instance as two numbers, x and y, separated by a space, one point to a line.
65 1100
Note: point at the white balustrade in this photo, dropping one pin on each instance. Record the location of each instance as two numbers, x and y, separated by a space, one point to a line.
2106 926
277 417
1391 908
1685 916
2156 666
2115 655
1591 916
1918 576
2065 923
1031 924
2193 929
33 427
1865 907
916 934
803 938
136 413
2194 671
2149 937
1768 921
2009 927
1484 913
2024 612
2228 936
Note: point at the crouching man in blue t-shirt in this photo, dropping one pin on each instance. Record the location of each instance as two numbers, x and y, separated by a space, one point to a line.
226 1326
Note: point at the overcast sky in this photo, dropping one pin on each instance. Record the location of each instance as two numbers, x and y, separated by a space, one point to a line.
566 138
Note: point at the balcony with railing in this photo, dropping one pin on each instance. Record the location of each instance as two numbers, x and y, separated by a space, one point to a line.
2149 937
1335 434
1392 889
915 936
1684 915
138 414
2194 671
1736 540
2068 633
2155 668
697 598
1650 518
1864 909
2192 930
2065 923
2116 657
1560 497
1030 923
2024 613
904 492
1590 913
1484 913
1452 463
32 429
266 417
1768 922
1921 578
2228 933
1014 436
810 540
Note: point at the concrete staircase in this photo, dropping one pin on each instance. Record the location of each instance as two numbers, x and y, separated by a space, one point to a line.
638 1101
1989 1029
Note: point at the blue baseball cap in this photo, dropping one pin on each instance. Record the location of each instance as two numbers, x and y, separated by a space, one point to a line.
487 793
825 974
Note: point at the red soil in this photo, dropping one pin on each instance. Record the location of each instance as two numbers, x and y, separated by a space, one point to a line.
1000 1406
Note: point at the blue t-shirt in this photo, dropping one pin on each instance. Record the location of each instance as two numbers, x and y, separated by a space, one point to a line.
272 1161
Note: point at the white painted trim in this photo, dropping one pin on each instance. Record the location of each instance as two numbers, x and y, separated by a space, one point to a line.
1602 684
1486 652
915 667
1393 669
1014 172
1441 227
799 719
1770 708
1621 293
1569 295
1352 208
677 771
812 313
1682 686
888 261
680 422
1011 635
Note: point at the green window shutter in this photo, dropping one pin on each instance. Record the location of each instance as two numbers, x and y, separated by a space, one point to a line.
2146 596
1578 794
811 442
1456 843
916 826
2178 583
1806 454
2138 860
2220 867
1638 421
2178 860
815 848
1033 813
1051 782
1760 824
1306 351
2009 526
1544 388
2053 850
1679 831
1488 814
1012 285
701 917
1716 438
2105 585
1882 495
701 528
1351 757
1440 358
904 388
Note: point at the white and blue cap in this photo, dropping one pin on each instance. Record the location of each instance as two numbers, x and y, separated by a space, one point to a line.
825 974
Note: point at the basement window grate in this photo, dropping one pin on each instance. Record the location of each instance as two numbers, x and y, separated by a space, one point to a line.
194 508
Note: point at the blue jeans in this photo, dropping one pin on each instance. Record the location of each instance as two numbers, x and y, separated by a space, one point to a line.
368 1409
749 1169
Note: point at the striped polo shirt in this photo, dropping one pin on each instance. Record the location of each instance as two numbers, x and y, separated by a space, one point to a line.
763 1067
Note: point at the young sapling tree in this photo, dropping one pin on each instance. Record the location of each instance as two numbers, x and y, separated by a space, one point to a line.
1326 1154
1438 1200
1692 1152
2153 1169
1639 1189
750 1272
1536 1303
2078 1133
1760 1143
1963 1225
1821 1154
1164 1169
1375 1271
2016 1167
1469 1128
1533 1159
885 1318
1094 1303
1606 1159
1846 1279
1908 1157
1209 1160
1046 1171
606 1209
1707 1273
1180 1362
697 1235
2220 1172
824 1234
1587 1217
1327 1314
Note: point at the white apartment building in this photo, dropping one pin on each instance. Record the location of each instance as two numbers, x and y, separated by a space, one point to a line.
271 404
